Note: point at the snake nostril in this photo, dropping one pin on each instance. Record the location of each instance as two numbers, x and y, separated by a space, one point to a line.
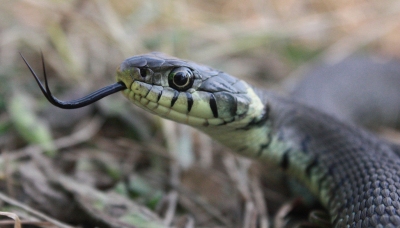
143 72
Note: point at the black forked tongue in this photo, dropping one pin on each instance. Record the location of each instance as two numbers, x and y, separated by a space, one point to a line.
78 103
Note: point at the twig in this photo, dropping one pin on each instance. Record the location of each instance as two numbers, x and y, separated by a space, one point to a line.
250 215
209 209
32 211
77 137
170 213
279 218
16 222
259 201
35 223
238 173
190 223
205 150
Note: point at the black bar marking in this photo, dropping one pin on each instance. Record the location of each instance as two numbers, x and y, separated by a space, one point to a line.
213 105
265 146
262 148
234 108
176 95
189 101
285 160
159 96
148 91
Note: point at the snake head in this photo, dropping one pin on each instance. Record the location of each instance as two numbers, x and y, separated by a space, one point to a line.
176 89
186 92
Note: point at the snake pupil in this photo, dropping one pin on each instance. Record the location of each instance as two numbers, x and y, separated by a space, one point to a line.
180 78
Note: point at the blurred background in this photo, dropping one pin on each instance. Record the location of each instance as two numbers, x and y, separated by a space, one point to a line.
113 165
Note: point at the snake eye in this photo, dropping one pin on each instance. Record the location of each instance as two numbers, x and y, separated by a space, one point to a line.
181 78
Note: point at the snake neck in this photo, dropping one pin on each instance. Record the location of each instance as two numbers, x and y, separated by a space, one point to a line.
332 159
247 134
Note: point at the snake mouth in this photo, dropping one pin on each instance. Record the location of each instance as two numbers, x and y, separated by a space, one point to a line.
174 105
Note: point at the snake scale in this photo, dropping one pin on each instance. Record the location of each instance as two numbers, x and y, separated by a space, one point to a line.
354 174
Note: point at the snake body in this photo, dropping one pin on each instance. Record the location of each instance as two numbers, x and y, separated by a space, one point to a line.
359 89
354 174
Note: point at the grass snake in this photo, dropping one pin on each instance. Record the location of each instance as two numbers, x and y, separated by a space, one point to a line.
354 174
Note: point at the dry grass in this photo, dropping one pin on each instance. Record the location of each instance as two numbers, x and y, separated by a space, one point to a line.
100 176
